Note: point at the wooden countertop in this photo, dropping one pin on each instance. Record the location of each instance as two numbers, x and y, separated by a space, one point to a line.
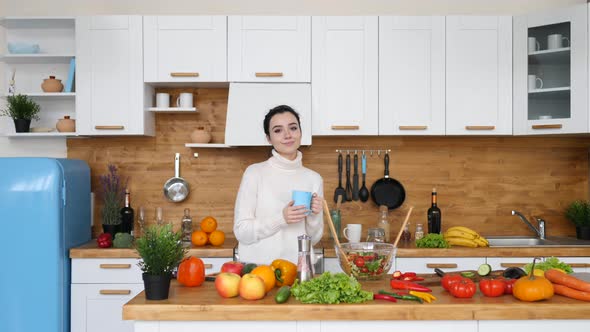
204 304
91 250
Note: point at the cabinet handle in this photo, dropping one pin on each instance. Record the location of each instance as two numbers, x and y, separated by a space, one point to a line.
269 74
548 126
115 291
115 266
109 127
184 74
441 266
512 264
208 266
346 127
578 264
480 127
413 127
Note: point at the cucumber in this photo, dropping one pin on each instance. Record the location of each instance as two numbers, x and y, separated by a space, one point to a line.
484 269
283 294
248 268
467 274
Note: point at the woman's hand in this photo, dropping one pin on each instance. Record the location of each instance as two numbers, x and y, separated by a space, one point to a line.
317 204
294 214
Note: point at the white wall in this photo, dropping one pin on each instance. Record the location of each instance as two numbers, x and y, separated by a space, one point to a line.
56 147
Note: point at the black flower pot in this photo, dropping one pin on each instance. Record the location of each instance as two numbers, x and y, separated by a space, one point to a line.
112 229
22 125
156 287
583 232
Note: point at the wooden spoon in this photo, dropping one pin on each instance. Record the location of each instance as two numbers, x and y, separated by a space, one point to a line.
344 263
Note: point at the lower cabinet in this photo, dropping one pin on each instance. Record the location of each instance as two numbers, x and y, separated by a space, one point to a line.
447 264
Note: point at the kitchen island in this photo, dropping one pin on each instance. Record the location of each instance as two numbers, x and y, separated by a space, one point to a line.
201 308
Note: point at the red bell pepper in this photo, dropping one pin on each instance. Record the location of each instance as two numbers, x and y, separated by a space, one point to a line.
407 285
396 275
104 240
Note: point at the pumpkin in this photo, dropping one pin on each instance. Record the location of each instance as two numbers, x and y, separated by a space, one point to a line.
532 288
191 272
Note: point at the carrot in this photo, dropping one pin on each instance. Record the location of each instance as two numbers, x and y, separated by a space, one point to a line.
571 293
560 278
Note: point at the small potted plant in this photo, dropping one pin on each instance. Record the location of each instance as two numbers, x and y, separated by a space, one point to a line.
161 251
578 212
113 195
22 110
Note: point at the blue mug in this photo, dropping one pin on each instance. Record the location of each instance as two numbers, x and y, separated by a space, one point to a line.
302 198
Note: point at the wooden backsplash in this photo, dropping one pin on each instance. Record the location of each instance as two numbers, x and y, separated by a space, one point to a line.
479 179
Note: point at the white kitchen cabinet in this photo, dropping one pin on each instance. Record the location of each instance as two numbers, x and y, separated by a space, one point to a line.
479 75
557 99
501 263
185 48
446 264
546 325
269 48
55 37
411 75
109 80
345 75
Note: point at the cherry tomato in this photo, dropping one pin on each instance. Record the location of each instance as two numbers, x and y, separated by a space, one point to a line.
359 261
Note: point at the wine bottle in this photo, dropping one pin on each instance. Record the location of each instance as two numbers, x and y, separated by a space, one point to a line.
127 215
434 216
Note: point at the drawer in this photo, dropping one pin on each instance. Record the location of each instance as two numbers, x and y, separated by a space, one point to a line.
106 271
428 264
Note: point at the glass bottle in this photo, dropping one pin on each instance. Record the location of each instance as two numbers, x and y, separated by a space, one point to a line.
419 233
141 220
434 215
187 228
384 221
127 215
406 235
159 220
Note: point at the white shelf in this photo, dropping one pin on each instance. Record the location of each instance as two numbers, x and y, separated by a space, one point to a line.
48 134
49 95
37 58
206 145
173 109
26 22
566 88
555 50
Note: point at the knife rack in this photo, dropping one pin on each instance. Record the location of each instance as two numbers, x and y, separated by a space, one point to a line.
370 152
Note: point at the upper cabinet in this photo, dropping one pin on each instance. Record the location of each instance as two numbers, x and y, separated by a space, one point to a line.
551 72
345 75
269 48
411 75
110 96
185 48
479 75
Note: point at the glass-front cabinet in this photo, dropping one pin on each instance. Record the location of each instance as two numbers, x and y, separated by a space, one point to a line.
551 72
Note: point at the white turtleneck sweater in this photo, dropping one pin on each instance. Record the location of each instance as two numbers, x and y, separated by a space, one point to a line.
259 225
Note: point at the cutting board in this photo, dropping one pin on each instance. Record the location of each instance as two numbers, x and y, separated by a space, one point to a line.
432 279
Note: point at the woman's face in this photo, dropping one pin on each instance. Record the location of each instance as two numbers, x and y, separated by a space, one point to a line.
285 134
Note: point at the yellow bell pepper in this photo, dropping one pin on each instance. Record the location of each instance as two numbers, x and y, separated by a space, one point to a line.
285 272
427 297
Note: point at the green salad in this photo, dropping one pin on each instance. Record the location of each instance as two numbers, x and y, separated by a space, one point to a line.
432 240
330 288
549 263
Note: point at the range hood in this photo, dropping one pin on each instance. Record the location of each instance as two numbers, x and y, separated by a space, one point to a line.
248 103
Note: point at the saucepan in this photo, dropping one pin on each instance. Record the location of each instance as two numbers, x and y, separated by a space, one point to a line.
176 189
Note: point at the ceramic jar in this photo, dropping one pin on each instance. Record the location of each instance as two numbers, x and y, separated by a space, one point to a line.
66 125
52 85
201 135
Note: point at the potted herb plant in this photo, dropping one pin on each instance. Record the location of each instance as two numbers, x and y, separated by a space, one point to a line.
161 251
22 110
112 194
578 212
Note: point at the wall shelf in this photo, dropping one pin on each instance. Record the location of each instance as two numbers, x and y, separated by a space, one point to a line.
41 134
207 145
173 109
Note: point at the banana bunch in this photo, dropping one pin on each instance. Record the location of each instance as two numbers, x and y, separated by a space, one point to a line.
464 237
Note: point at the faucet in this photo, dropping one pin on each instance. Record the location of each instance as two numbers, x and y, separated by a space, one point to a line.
540 232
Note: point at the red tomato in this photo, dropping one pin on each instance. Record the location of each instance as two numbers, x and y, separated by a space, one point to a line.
492 287
359 261
509 285
191 272
464 288
449 279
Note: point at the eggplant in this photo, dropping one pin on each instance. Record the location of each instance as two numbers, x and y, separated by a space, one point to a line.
514 273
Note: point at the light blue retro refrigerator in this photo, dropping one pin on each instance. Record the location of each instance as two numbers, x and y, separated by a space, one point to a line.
44 211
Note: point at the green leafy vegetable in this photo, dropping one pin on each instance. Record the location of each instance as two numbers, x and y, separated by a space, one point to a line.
549 263
432 240
123 240
330 289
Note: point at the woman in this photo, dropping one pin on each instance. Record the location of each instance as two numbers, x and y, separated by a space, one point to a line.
266 222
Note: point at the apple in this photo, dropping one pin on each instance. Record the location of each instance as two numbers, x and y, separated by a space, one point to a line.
252 287
233 267
227 284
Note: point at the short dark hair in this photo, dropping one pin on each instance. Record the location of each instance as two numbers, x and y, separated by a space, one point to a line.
277 110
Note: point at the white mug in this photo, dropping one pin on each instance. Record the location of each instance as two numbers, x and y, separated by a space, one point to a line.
533 79
352 232
556 41
185 100
533 45
162 100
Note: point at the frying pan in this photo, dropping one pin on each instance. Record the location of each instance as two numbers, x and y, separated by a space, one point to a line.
388 191
176 189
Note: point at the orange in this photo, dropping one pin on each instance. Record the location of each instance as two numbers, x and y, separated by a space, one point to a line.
217 238
267 274
208 224
199 238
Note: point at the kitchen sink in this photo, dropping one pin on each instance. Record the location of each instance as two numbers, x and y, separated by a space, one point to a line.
526 241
